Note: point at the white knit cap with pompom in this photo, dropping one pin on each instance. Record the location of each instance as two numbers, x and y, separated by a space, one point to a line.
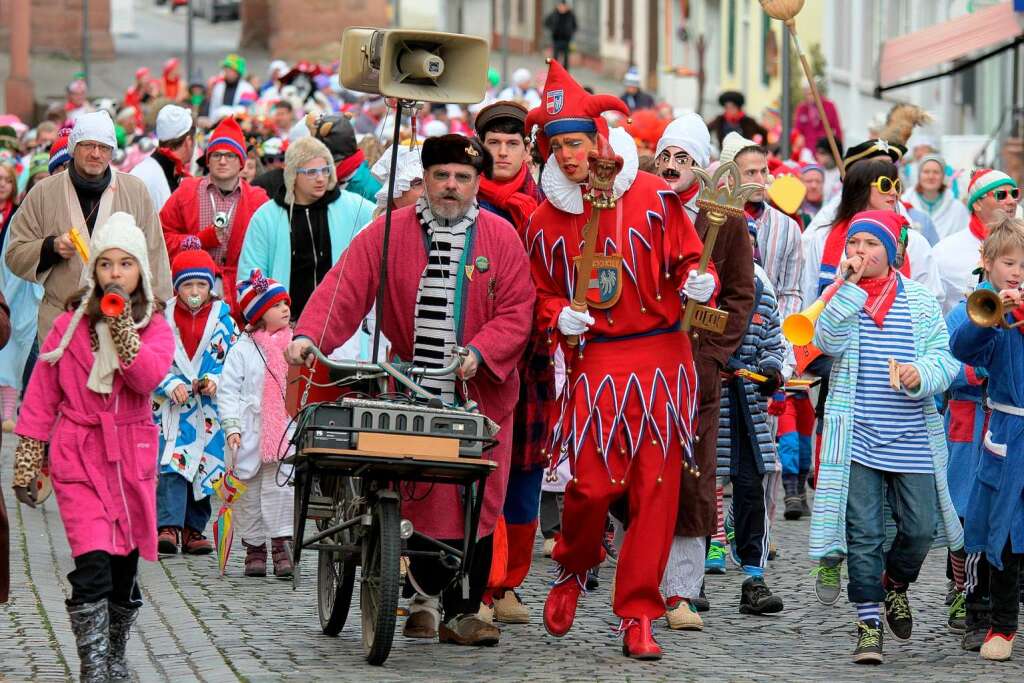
118 232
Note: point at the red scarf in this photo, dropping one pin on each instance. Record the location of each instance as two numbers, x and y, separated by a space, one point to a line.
6 208
180 170
977 228
346 167
508 196
881 293
735 117
689 193
835 249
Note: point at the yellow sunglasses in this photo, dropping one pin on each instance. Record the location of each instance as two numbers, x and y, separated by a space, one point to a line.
887 185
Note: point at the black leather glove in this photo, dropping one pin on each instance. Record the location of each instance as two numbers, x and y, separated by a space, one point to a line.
772 384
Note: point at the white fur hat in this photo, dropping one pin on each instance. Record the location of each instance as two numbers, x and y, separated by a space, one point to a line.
118 232
299 152
733 144
689 133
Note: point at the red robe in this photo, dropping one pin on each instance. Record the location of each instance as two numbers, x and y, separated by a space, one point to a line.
496 303
628 409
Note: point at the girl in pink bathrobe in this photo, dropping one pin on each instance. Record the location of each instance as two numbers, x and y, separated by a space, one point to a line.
89 400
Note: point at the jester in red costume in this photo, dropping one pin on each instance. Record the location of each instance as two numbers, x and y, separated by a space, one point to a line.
627 413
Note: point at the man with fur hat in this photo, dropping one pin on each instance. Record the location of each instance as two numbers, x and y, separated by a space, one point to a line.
216 208
164 169
512 193
297 236
992 195
628 408
40 247
685 144
734 120
350 167
456 276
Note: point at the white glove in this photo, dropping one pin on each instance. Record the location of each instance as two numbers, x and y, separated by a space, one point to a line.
699 287
573 323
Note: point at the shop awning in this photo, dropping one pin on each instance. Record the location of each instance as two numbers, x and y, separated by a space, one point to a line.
942 43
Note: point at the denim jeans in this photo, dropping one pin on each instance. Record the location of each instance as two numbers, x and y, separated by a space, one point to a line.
912 501
176 505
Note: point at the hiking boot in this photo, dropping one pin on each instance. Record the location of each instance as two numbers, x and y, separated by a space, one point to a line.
898 616
194 543
560 606
683 616
958 614
281 550
793 509
167 540
701 602
998 647
827 585
756 598
638 639
509 609
468 629
424 618
714 563
90 622
122 617
869 642
255 559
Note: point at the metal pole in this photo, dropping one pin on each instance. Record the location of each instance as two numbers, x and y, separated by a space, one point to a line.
382 283
85 40
189 46
506 19
396 13
787 105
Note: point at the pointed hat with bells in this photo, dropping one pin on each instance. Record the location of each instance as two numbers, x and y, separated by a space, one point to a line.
567 108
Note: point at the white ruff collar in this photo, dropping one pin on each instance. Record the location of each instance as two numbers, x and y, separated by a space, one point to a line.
567 196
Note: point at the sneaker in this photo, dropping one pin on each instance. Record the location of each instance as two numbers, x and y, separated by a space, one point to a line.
869 643
756 598
826 583
998 647
549 546
509 609
468 629
898 616
951 592
424 618
194 543
167 540
684 617
958 614
714 563
701 602
794 510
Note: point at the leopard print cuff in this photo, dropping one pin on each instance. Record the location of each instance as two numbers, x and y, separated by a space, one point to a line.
28 459
126 338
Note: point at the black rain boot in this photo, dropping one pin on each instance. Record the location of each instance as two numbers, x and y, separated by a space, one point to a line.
801 490
90 622
793 509
122 618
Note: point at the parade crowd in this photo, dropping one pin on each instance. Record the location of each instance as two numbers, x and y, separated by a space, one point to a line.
169 256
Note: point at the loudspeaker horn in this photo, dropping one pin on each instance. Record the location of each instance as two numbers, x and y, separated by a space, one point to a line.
419 66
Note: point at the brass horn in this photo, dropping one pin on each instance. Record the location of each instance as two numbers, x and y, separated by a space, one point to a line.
985 309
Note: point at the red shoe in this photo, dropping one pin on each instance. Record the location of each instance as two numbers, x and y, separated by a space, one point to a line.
167 540
560 607
638 641
194 543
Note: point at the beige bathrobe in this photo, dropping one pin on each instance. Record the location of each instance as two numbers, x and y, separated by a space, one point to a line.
52 208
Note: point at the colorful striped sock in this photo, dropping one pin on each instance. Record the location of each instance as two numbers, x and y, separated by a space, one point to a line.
868 611
720 532
957 558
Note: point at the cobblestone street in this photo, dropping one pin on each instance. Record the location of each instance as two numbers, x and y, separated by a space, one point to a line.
198 626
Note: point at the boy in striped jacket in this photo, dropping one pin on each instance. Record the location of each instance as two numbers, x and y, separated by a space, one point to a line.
883 441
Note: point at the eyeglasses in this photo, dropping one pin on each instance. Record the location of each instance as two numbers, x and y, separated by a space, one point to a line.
221 156
90 147
325 171
1001 195
887 185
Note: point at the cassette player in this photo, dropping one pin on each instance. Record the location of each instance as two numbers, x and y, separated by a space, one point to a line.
338 425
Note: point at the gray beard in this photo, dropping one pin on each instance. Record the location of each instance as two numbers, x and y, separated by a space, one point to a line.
449 217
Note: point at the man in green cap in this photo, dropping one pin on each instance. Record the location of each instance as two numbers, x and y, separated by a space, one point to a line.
233 90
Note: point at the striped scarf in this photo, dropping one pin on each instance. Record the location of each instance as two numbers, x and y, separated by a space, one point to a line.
434 328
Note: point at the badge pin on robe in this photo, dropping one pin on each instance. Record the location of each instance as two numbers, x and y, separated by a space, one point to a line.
722 196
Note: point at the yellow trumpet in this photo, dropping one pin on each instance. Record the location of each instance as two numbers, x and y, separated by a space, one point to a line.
798 328
985 309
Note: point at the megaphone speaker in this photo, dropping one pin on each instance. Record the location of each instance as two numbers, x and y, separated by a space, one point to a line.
419 66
